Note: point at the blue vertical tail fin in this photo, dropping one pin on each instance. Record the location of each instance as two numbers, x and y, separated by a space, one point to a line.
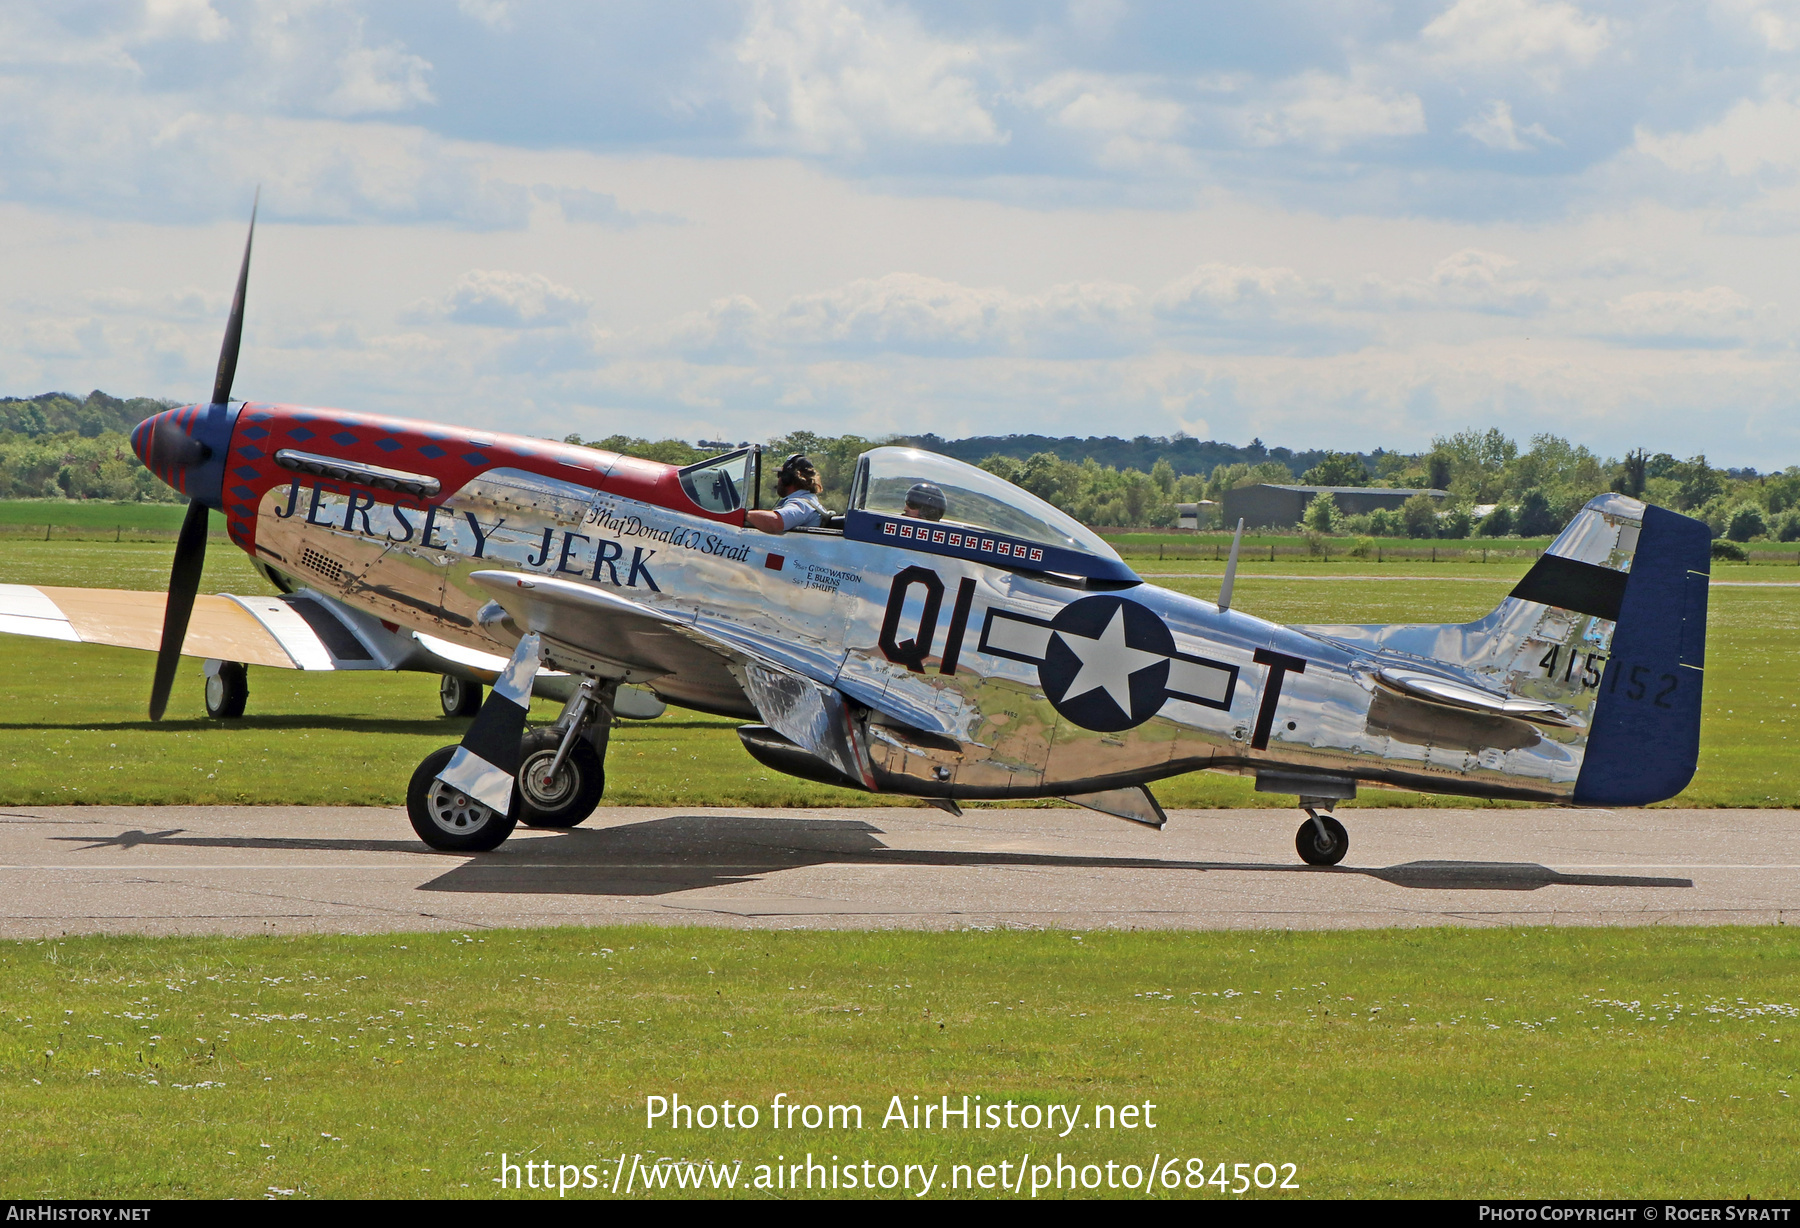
1644 737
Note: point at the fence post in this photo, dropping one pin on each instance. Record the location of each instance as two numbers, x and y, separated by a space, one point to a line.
46 532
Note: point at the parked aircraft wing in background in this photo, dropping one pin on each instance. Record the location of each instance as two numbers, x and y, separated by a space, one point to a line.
304 630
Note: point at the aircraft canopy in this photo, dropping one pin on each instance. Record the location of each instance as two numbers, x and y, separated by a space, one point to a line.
972 497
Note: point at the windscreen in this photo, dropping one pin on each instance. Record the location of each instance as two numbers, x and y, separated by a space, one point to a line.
719 484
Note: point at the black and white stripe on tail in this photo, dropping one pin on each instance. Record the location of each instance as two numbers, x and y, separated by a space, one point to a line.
485 765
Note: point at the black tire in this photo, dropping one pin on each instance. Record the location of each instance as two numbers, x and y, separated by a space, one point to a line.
572 796
227 690
459 696
1316 853
449 821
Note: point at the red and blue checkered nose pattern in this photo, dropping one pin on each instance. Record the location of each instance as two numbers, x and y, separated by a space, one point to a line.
186 448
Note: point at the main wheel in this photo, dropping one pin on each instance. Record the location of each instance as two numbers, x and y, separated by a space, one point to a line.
1326 852
570 796
227 690
459 696
448 819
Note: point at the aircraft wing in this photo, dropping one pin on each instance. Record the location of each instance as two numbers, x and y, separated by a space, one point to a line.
581 627
254 630
611 636
303 630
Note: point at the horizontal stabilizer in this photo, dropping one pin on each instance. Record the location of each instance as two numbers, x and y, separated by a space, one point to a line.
1435 688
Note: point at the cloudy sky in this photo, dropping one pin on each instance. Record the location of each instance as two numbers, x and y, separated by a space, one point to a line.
1324 224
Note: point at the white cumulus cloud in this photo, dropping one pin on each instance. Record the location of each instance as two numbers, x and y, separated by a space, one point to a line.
1517 33
378 79
833 77
1717 315
1127 124
499 298
1468 280
1495 128
1756 134
1329 111
184 19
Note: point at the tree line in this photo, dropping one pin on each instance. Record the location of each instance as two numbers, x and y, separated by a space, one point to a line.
1494 487
62 446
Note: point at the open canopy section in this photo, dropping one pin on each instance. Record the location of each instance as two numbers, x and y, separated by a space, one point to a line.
908 497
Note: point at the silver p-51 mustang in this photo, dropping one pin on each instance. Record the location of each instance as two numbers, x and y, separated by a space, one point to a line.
1000 651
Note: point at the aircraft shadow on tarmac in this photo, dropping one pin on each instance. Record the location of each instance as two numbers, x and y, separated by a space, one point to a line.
685 853
174 838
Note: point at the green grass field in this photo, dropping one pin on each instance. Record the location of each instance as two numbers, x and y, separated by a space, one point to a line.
72 725
92 519
1429 1063
1145 549
1143 546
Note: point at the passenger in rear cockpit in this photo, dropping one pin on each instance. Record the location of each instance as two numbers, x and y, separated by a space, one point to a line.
797 485
925 502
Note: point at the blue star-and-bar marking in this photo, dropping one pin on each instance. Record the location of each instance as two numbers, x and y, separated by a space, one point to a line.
1108 664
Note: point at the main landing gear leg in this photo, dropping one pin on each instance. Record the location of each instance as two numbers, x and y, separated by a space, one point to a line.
1321 840
562 769
465 798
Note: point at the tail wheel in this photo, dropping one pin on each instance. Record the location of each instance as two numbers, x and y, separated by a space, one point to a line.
448 819
227 690
1326 850
459 696
570 796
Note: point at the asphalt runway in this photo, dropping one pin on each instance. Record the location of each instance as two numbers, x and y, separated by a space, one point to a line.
265 869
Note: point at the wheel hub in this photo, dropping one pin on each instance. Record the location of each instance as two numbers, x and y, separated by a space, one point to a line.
544 791
455 811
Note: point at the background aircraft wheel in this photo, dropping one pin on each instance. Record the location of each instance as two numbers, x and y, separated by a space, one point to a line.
1316 852
227 690
576 789
447 819
459 696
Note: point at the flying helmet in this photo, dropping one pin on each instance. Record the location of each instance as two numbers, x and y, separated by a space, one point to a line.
928 499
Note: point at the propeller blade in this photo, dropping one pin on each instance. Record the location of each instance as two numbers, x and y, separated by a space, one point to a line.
234 327
184 583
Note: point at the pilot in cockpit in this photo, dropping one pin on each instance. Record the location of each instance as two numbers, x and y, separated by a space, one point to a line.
797 485
925 502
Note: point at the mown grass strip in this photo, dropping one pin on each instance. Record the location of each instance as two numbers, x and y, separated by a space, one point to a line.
1443 1063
